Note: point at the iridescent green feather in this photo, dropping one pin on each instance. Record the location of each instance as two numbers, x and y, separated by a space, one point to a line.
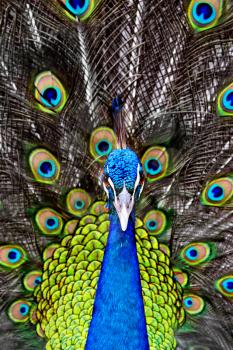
65 297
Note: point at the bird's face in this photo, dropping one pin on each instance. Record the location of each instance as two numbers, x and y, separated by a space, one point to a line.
123 181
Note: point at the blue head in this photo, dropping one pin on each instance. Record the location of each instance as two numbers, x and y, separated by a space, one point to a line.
123 181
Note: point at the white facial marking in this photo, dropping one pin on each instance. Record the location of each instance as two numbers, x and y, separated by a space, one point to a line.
124 204
137 182
105 189
142 186
112 185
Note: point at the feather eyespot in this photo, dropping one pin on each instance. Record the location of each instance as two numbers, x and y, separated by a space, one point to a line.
102 143
225 285
196 253
77 202
19 311
12 256
44 166
193 304
155 222
79 8
32 280
49 221
218 192
155 163
181 277
49 92
204 14
225 102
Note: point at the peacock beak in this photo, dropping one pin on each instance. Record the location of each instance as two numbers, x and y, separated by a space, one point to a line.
123 215
124 204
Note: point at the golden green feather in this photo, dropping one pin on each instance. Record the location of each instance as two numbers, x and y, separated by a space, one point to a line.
66 295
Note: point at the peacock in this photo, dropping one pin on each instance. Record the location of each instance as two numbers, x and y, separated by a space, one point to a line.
116 174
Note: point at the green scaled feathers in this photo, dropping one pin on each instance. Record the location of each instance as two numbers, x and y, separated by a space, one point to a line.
66 294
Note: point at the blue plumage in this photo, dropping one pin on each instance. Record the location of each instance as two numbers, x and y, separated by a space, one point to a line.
118 320
121 167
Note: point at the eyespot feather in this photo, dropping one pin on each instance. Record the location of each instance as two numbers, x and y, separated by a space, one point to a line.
181 277
19 311
155 222
204 15
102 143
12 256
218 192
77 202
82 9
197 253
225 285
32 280
49 221
49 93
225 101
193 304
44 166
155 162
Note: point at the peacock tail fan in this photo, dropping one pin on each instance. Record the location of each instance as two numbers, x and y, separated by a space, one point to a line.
116 181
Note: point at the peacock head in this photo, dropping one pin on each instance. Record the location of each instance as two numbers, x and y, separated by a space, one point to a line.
123 181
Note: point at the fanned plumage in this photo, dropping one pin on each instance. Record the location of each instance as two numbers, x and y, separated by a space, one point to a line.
80 81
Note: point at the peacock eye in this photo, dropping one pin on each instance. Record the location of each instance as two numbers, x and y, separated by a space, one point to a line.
217 192
32 280
44 166
102 142
181 277
78 201
19 311
193 304
155 163
225 101
196 253
225 285
47 168
79 8
152 224
204 14
49 221
192 253
12 256
49 92
153 166
155 222
103 147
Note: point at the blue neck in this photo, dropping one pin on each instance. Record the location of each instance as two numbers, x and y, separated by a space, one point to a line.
118 320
